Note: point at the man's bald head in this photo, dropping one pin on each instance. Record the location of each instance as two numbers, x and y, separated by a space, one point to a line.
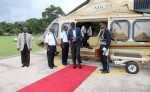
103 25
25 29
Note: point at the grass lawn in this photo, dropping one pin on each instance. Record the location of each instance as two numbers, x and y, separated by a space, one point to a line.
8 46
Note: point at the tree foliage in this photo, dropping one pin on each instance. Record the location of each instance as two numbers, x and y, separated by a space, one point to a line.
34 25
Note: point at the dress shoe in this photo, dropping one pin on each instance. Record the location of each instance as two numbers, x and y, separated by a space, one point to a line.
27 65
51 67
23 66
101 69
108 71
65 64
80 61
54 66
80 67
89 47
105 71
74 67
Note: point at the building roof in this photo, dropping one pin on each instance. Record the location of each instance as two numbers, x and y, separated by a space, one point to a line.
78 7
101 10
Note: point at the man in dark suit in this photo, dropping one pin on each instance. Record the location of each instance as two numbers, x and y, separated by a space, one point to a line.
104 46
75 40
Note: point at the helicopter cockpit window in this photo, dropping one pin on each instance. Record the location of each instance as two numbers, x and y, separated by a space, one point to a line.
120 30
142 31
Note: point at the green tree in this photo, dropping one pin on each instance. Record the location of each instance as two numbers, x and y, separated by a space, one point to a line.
1 31
51 13
39 25
34 25
15 30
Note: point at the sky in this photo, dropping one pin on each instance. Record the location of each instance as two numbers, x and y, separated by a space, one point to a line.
20 10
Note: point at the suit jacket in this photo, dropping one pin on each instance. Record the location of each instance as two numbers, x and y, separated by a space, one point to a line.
78 35
21 41
107 38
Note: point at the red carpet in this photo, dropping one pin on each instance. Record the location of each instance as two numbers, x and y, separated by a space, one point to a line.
65 80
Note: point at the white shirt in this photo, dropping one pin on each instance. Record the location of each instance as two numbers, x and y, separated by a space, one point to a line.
83 30
64 36
74 33
89 31
49 39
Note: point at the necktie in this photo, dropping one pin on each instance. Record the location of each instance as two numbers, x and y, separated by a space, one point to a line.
25 36
66 34
102 35
74 33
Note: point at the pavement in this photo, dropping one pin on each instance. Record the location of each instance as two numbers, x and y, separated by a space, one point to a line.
13 77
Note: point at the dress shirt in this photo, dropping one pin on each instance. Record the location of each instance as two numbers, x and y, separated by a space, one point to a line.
50 39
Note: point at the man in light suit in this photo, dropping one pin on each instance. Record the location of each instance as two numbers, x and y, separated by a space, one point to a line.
24 45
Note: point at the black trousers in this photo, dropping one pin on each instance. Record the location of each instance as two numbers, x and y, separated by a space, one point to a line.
85 43
104 59
50 55
65 51
75 51
25 56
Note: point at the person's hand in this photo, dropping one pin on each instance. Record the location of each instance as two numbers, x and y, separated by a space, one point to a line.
57 44
48 49
69 43
18 49
30 49
73 39
104 49
62 46
46 46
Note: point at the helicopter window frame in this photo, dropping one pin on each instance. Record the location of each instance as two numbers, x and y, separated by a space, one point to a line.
134 31
128 31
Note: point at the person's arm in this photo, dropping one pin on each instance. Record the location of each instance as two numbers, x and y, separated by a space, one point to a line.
82 31
111 35
108 38
69 37
61 37
30 41
18 42
79 35
46 41
62 44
